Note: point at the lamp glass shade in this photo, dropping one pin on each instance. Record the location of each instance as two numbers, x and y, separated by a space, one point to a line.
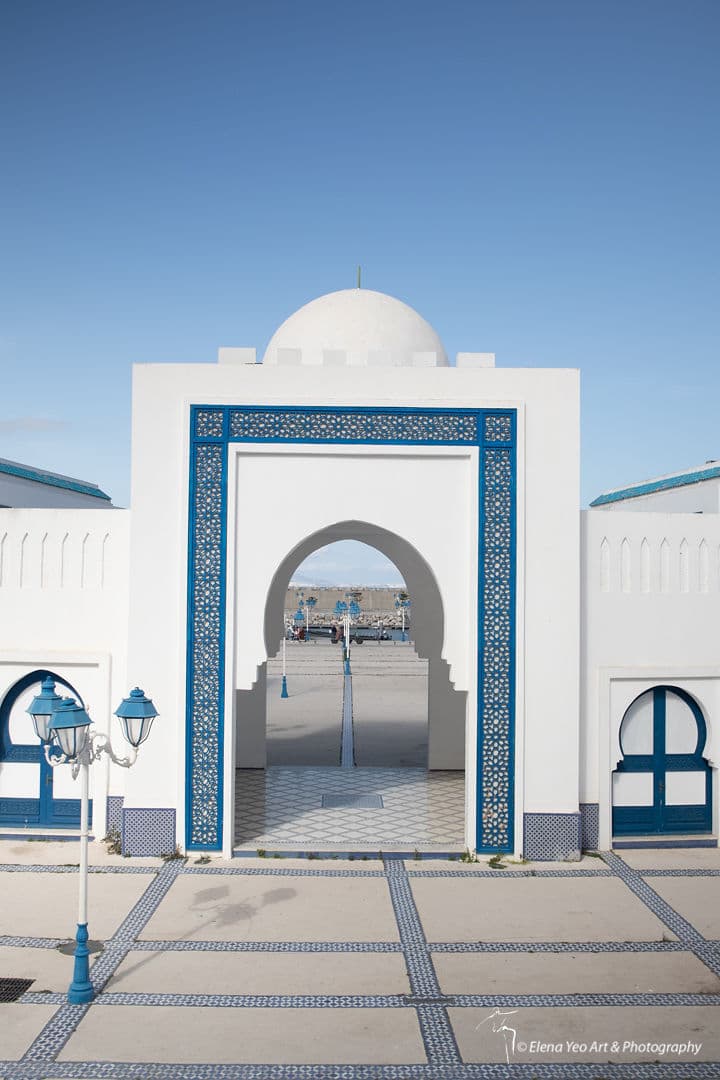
136 714
69 727
42 707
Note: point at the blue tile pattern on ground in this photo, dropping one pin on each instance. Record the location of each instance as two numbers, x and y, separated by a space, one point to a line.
530 1071
551 836
426 998
437 1033
685 931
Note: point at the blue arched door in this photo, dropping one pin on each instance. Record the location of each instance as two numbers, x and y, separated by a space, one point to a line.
662 784
19 745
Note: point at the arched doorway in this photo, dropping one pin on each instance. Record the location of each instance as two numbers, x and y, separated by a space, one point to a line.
662 784
404 786
31 792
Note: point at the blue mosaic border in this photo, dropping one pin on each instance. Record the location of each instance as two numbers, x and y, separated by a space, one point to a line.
526 1071
212 428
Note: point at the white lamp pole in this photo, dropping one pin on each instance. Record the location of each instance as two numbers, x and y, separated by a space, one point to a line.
284 689
63 728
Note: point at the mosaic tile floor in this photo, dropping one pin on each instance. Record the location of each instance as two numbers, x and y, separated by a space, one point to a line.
207 976
281 807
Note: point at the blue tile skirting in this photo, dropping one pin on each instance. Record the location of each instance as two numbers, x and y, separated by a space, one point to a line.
589 826
148 831
551 836
114 813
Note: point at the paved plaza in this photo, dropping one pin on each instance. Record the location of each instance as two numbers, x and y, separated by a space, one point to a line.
297 969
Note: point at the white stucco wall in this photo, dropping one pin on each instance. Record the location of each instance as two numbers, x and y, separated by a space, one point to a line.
650 615
548 542
63 606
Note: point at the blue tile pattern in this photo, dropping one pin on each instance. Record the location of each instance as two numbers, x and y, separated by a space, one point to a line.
205 664
589 826
426 998
114 813
685 931
353 425
551 836
435 1027
548 1071
148 831
494 433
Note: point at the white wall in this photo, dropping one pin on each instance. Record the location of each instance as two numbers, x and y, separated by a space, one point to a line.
63 606
651 614
548 541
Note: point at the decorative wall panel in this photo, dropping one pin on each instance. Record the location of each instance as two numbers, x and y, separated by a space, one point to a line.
494 433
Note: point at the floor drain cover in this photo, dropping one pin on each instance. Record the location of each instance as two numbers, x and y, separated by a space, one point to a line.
352 802
12 989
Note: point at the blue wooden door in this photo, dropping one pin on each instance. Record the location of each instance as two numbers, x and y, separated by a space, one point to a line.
663 784
39 807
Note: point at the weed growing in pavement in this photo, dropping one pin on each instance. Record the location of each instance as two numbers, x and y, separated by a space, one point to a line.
113 841
170 856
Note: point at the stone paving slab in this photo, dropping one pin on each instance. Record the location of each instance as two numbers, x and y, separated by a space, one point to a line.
574 973
48 968
24 852
188 1034
534 909
556 1027
510 865
19 1027
672 858
45 904
275 909
261 973
390 719
700 906
304 728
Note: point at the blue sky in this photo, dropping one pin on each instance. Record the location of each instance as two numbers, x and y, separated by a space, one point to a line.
538 179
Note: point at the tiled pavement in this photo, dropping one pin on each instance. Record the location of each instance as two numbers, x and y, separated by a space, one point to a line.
265 969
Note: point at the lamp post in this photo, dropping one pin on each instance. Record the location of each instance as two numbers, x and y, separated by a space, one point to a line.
283 688
402 603
63 728
310 603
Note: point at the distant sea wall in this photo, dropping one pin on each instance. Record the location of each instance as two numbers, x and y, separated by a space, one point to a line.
376 605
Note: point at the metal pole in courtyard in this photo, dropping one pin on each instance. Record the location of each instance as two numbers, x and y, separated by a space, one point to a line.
63 728
284 689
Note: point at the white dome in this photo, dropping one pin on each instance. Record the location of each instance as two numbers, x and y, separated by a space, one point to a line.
356 328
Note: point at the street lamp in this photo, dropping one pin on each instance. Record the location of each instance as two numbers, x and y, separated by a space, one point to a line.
283 688
63 728
310 603
402 603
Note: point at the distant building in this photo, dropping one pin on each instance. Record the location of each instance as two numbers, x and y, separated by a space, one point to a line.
26 486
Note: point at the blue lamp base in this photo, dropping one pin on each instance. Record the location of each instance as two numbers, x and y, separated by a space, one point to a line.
81 989
347 665
284 692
